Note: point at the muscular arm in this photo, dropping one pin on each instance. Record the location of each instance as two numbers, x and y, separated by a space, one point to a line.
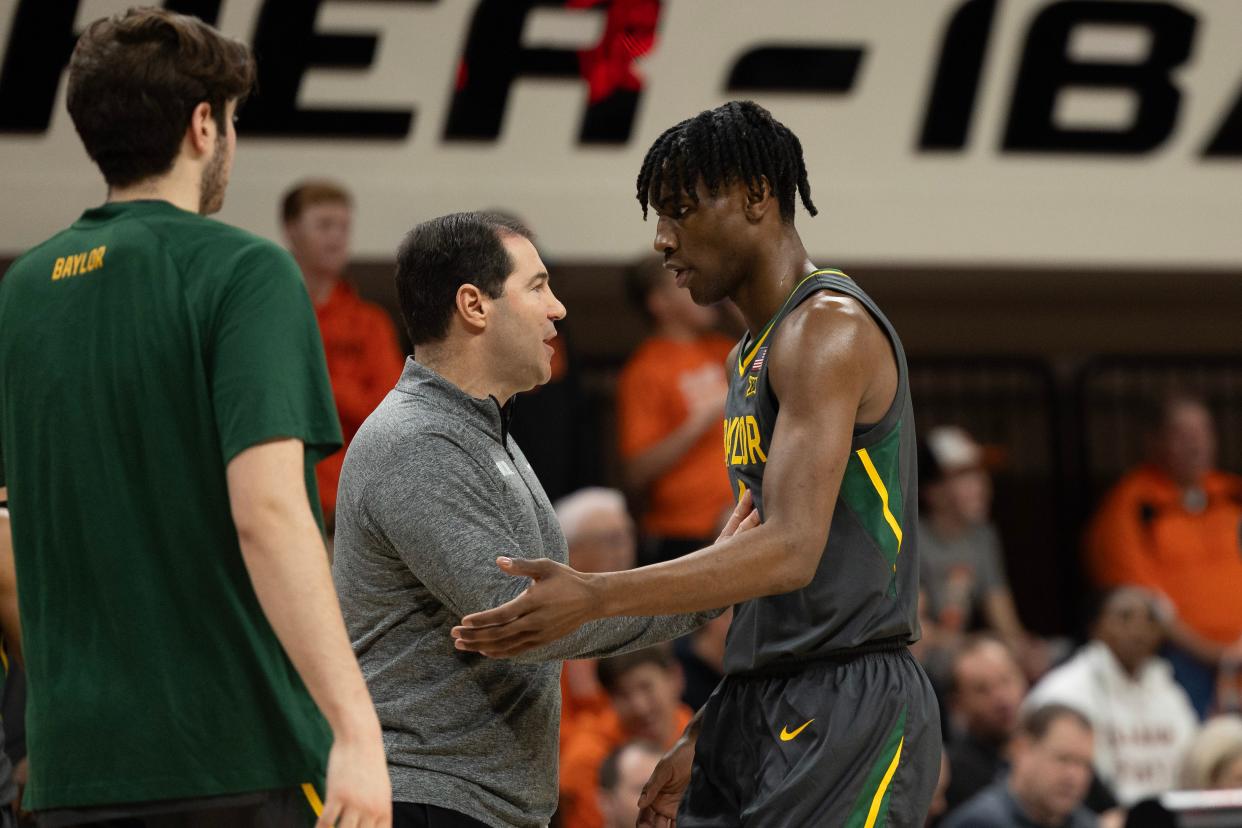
825 364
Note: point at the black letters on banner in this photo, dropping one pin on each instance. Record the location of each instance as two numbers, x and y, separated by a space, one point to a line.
495 57
1046 71
40 43
1227 143
946 126
286 45
822 69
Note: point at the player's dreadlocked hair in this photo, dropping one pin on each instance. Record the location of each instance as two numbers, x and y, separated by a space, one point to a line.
739 141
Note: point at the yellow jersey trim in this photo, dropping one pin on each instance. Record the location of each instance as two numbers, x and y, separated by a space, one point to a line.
883 493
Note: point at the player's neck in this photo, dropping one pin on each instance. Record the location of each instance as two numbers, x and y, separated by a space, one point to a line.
182 186
776 271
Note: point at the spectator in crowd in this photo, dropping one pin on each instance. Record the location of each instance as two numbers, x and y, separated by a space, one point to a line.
1214 759
963 569
701 654
359 339
1172 525
670 405
1142 718
1051 759
984 698
644 687
600 534
621 779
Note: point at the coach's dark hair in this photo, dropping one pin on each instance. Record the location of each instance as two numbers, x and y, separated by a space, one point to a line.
135 79
610 769
439 256
739 141
612 669
1039 721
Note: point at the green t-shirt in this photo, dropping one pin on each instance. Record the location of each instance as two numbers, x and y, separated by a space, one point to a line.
140 351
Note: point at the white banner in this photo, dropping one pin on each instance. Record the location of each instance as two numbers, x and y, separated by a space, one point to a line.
936 132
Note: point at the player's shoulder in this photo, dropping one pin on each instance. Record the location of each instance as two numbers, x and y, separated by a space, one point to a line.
827 326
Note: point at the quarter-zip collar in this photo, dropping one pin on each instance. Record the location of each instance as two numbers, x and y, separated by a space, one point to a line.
487 415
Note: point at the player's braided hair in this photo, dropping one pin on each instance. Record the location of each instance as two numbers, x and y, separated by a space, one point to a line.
739 141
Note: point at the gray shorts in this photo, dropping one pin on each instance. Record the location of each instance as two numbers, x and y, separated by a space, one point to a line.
853 741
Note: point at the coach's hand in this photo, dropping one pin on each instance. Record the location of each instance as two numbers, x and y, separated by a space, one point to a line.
661 796
558 601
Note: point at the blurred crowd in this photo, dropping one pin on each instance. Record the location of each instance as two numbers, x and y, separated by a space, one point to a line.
1038 731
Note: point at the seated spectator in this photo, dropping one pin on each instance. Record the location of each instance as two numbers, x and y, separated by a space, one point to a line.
1142 718
963 569
600 535
1172 526
621 779
701 654
670 402
1051 759
986 691
644 687
359 338
1214 760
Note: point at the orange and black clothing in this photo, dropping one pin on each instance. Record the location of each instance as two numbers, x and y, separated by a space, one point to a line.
364 362
1144 534
593 739
689 499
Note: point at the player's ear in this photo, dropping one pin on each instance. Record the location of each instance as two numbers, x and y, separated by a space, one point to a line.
760 199
472 307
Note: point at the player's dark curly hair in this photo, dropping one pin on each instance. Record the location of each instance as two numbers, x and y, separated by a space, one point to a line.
739 141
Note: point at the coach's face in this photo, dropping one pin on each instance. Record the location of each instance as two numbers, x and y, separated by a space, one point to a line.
524 320
706 244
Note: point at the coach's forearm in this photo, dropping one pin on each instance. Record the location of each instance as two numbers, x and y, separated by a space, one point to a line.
767 560
288 566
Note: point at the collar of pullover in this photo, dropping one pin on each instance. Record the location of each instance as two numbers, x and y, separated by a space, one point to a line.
487 414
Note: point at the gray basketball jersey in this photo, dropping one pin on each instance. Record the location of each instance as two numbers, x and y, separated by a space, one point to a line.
865 590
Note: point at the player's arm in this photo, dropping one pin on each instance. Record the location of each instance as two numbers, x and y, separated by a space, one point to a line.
821 365
10 621
288 566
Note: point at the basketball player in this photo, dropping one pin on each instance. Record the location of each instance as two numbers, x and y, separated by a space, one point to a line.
823 717
163 399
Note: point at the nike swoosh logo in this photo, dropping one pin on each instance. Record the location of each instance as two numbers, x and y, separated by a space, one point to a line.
786 735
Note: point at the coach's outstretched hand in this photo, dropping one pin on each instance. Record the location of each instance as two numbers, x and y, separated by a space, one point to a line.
558 601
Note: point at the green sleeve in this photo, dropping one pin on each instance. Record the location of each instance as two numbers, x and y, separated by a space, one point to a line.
268 375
